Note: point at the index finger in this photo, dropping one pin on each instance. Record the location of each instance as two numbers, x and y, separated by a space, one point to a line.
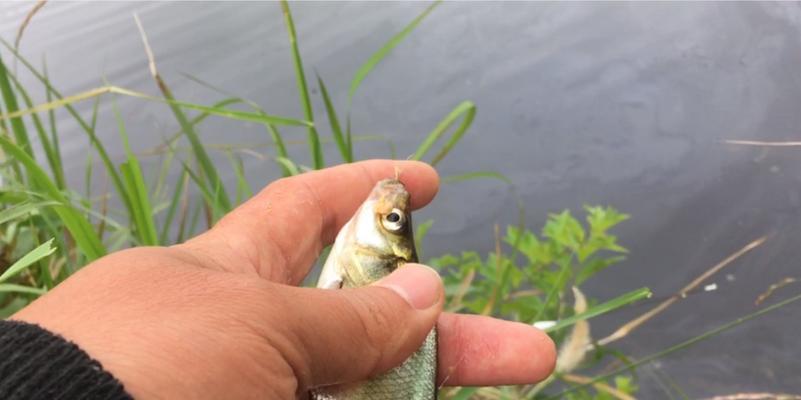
280 231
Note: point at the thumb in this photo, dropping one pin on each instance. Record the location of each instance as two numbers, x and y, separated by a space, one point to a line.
349 335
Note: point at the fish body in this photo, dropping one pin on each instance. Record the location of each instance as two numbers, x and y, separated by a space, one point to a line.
375 242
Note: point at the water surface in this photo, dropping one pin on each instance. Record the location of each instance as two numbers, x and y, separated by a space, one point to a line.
621 104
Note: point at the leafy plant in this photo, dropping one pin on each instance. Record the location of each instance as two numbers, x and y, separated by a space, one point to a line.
529 278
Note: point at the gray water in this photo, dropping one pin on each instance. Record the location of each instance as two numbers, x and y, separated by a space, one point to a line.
621 104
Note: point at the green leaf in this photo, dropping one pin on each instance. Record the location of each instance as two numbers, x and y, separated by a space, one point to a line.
278 141
305 101
379 55
280 148
54 139
465 393
601 219
173 207
564 230
136 189
603 308
344 145
243 189
12 288
53 158
290 165
595 266
208 195
10 100
66 103
535 251
170 155
80 228
44 250
466 109
21 210
260 117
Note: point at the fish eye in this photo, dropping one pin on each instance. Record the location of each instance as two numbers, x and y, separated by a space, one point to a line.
393 221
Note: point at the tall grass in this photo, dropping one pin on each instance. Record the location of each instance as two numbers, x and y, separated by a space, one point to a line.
86 227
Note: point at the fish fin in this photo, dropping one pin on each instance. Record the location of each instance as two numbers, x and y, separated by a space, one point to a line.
330 284
331 275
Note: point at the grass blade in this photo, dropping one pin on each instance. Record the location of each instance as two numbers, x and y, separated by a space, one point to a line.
51 115
278 140
135 188
40 252
142 217
463 393
80 228
289 165
379 55
603 308
200 118
11 288
303 90
10 100
159 183
344 144
375 58
243 189
280 148
21 210
173 208
466 109
193 222
208 195
221 198
53 158
67 102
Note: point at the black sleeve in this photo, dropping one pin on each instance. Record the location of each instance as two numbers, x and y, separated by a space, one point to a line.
36 364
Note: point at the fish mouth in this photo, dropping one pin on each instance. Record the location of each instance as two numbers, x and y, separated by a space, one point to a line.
403 253
400 263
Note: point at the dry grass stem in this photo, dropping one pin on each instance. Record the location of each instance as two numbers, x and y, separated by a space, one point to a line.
756 396
599 386
38 6
764 296
630 326
763 143
575 347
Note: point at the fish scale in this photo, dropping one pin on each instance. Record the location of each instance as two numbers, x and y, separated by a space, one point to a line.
412 380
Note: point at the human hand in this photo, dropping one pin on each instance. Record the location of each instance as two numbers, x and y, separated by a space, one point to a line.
220 316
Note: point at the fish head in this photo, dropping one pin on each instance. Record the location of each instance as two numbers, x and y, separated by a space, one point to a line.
383 224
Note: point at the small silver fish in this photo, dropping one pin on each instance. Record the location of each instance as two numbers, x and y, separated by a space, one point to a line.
376 241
